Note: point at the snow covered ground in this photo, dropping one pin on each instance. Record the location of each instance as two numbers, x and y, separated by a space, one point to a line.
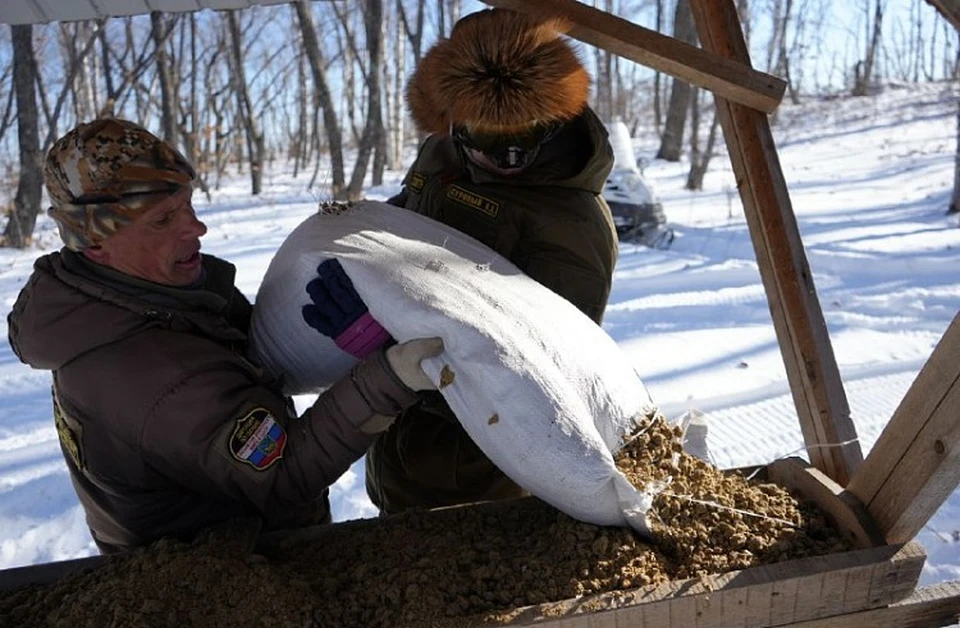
870 180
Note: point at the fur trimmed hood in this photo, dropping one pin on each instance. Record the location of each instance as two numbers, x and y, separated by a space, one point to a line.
500 71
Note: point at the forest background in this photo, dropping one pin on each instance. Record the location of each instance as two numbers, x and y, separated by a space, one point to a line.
319 85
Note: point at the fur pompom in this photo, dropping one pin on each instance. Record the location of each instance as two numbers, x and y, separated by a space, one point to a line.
500 71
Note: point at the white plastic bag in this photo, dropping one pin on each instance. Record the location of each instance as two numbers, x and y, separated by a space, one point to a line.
544 392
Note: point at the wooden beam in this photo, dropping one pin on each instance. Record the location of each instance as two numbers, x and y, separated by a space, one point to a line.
727 77
776 595
936 605
915 464
821 402
846 512
950 9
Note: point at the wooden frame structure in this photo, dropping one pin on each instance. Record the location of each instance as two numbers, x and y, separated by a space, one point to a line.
880 502
915 464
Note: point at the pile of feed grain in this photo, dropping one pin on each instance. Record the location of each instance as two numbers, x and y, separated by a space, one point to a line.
451 567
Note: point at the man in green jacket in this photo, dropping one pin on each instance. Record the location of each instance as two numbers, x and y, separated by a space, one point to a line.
516 159
165 425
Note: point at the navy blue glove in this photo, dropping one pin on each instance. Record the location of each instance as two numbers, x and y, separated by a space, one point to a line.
338 311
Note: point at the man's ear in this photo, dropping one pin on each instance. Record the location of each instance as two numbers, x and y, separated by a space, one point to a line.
96 254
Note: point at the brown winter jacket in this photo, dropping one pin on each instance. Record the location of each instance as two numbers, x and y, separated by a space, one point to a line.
550 221
165 426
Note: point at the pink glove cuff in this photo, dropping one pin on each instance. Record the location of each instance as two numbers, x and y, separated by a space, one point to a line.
363 337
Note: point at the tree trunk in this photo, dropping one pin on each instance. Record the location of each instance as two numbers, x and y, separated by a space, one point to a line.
414 35
671 143
301 138
373 130
865 69
109 105
743 11
168 116
334 137
26 205
782 66
245 114
700 159
604 77
70 74
955 199
658 77
396 106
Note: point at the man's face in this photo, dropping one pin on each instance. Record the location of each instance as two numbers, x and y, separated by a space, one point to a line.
162 245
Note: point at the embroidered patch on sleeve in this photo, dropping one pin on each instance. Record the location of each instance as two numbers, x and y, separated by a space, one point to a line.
417 181
258 439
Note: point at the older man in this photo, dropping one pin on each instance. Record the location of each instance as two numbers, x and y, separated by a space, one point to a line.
165 425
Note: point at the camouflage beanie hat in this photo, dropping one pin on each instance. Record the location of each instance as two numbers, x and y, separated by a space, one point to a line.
103 174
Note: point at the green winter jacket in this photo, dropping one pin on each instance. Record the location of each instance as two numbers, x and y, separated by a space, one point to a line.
550 221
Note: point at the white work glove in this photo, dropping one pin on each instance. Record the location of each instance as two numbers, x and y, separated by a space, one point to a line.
404 359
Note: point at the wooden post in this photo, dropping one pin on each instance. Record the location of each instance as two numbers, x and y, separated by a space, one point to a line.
950 9
726 77
828 431
915 464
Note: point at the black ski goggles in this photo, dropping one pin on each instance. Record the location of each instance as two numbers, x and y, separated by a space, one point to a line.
507 150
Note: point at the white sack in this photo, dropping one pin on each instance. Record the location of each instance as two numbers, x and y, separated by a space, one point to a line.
544 392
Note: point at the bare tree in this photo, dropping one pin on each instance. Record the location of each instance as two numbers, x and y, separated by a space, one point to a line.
7 117
26 204
299 139
245 113
159 30
415 32
658 76
74 64
781 67
395 94
603 87
743 12
865 68
73 36
700 158
672 141
330 121
373 74
131 64
954 207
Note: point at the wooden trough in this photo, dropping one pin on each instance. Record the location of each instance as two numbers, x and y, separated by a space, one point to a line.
876 580
880 503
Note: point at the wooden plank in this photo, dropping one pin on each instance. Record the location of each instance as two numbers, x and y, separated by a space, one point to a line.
915 464
46 573
727 77
235 536
733 607
173 6
68 12
25 12
950 9
937 605
847 513
121 7
774 595
821 402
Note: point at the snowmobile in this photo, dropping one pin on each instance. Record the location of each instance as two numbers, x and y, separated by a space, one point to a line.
637 212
